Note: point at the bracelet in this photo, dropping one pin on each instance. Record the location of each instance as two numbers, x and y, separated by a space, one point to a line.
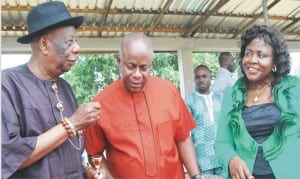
197 176
69 127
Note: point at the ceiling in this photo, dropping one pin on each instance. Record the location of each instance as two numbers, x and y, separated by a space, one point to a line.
203 19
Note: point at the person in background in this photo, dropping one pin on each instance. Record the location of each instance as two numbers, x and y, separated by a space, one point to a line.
258 131
204 108
224 79
40 122
144 126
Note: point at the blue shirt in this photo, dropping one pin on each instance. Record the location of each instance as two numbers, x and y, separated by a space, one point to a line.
204 109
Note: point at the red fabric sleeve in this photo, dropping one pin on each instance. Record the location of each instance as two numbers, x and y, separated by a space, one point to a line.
186 121
94 140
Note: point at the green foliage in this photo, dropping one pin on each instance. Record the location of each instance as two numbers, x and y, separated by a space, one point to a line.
166 66
92 73
211 60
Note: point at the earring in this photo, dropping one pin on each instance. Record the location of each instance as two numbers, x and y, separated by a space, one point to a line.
274 69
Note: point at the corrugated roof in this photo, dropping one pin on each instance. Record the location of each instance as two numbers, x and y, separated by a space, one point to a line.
212 19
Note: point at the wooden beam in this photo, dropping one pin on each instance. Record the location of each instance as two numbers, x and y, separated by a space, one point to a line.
291 24
201 21
141 29
254 19
97 45
114 11
158 18
103 21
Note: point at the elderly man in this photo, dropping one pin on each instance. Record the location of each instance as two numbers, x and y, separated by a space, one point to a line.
144 125
40 122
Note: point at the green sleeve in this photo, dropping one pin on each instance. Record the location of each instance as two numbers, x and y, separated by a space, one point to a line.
224 146
295 104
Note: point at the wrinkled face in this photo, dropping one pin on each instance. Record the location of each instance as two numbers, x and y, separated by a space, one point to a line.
258 61
135 64
202 79
63 49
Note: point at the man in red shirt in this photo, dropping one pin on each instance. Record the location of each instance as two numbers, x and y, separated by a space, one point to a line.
144 125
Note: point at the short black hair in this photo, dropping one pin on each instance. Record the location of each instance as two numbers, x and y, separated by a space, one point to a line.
201 66
273 37
224 57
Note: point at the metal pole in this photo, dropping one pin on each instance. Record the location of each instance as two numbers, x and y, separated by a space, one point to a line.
265 11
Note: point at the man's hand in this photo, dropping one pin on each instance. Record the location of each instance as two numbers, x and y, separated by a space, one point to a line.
86 114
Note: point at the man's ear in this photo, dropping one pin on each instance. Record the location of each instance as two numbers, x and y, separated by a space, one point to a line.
118 59
44 44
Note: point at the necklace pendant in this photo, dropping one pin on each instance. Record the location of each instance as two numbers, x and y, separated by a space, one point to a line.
256 99
60 106
55 87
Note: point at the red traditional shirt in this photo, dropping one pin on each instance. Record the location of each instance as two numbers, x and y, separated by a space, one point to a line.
139 131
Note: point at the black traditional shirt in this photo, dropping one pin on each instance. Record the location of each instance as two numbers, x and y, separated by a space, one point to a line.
28 110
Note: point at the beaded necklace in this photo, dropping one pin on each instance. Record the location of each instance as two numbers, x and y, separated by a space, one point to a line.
60 108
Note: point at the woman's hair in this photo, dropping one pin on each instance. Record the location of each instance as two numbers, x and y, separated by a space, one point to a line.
271 36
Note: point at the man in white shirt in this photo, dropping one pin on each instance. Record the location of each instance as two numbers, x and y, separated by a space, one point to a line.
224 79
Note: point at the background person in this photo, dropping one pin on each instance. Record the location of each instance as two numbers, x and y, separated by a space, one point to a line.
144 125
224 76
205 109
258 131
40 122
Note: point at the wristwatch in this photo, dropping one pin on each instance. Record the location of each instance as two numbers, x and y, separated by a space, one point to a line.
198 176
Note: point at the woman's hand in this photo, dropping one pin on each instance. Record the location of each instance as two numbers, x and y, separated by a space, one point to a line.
238 169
